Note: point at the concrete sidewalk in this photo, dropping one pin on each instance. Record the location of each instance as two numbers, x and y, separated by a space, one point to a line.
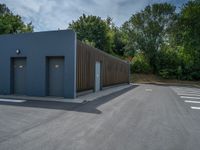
80 99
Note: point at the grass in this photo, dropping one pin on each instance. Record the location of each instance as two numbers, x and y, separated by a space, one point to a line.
151 78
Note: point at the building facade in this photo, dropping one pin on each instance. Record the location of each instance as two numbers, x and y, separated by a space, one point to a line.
55 63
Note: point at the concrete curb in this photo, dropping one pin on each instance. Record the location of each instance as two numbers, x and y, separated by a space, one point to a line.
81 99
50 99
172 84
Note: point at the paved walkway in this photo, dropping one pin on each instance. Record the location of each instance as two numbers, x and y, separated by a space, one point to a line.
80 99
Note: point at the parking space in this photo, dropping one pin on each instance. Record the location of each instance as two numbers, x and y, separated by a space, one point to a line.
191 96
140 117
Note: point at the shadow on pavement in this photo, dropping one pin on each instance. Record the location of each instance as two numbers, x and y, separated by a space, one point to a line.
87 107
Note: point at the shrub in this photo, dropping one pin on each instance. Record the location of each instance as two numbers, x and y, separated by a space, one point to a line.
195 75
179 72
168 59
167 73
140 65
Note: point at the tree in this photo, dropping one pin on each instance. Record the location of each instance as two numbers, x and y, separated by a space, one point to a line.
187 36
119 41
10 23
94 31
4 9
148 30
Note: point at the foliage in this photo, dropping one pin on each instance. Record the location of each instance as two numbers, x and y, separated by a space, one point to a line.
147 30
10 23
169 62
169 41
140 65
94 30
157 39
119 41
187 35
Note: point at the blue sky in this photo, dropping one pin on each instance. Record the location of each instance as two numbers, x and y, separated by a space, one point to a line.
54 14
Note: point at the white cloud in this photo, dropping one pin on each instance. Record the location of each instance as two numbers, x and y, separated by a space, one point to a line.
54 14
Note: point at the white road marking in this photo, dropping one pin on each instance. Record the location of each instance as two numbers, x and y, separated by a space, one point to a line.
12 100
192 107
187 90
190 97
191 88
195 102
148 90
188 94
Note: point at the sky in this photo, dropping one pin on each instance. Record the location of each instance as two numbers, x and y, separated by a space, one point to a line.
57 14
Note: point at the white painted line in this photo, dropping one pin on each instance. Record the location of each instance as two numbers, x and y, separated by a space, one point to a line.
194 107
195 102
148 90
190 97
181 88
188 94
196 90
187 91
12 100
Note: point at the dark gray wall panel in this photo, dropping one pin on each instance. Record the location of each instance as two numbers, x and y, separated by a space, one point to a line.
19 76
36 47
55 76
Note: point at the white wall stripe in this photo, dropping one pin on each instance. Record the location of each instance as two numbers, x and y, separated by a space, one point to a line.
12 100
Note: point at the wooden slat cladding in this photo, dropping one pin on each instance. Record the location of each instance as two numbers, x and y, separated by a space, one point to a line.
113 70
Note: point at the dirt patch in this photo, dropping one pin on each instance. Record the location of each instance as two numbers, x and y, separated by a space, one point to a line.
151 78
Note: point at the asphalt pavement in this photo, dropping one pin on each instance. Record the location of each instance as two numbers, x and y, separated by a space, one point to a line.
143 117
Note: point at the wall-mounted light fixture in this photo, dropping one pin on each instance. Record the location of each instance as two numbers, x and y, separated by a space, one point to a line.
18 52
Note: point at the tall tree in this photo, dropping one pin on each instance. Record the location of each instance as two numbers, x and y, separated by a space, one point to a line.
188 32
119 41
10 23
147 30
94 31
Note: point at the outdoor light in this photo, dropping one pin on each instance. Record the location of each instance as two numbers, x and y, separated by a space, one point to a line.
17 51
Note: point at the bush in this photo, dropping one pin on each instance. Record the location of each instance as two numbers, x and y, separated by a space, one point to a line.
179 72
140 65
164 73
170 63
195 75
168 59
167 73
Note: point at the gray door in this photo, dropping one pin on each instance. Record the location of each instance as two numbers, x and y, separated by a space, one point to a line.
97 76
56 76
19 76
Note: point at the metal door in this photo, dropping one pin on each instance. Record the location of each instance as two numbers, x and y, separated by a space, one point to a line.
56 76
19 76
97 76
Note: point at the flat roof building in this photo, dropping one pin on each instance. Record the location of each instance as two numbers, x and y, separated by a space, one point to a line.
55 63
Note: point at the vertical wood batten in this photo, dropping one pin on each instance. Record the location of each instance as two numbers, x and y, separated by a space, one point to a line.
114 70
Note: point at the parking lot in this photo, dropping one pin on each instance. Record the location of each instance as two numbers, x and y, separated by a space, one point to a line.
139 117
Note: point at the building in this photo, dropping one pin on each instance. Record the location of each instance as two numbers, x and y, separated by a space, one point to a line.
55 63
